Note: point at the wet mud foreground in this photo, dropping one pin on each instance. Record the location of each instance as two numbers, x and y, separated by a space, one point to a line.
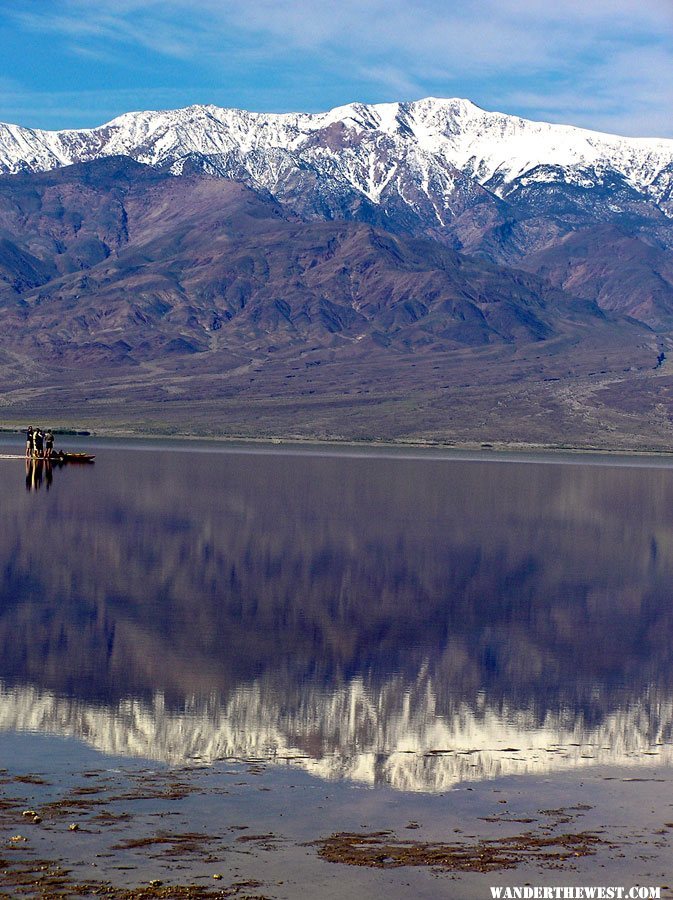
247 830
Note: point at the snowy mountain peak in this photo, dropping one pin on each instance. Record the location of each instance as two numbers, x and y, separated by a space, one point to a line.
415 151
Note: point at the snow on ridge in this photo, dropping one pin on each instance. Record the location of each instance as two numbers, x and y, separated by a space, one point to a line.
365 736
368 149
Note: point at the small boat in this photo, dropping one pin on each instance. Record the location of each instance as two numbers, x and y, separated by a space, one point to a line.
63 457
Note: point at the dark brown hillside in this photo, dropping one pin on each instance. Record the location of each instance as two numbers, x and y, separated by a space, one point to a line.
64 221
136 264
617 270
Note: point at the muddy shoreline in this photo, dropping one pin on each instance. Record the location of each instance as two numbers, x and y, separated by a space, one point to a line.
173 439
249 829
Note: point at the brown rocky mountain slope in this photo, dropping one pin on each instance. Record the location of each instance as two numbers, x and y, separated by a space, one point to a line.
125 263
617 270
132 297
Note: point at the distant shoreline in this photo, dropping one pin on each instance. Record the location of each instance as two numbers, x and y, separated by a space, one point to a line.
296 441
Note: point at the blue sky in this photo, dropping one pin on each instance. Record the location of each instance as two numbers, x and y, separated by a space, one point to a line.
604 64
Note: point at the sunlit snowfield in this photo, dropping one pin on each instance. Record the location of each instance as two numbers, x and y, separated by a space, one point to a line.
395 627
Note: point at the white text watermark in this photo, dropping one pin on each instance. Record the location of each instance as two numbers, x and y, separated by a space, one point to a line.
572 892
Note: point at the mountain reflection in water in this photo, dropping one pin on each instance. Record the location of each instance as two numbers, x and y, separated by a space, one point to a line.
415 622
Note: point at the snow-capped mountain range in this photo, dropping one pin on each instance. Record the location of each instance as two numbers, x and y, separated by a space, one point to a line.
210 231
427 150
352 736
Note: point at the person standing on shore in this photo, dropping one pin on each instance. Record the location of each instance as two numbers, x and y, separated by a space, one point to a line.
48 443
30 446
38 439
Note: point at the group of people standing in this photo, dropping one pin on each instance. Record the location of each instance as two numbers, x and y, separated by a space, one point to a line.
39 444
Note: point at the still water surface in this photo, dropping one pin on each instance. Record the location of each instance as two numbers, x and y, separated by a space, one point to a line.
383 618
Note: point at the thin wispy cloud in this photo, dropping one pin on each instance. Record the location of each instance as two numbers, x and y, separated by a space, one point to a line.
94 106
605 64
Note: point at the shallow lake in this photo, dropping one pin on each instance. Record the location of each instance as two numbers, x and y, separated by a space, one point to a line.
412 623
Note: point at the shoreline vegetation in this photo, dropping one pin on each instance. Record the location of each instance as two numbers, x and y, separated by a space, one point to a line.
496 446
